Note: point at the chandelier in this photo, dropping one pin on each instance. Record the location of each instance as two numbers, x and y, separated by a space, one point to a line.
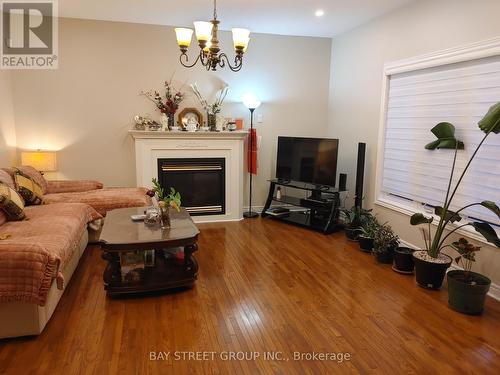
210 55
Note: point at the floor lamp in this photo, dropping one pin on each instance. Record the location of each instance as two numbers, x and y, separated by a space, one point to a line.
252 103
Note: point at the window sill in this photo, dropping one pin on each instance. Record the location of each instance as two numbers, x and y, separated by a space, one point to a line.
409 211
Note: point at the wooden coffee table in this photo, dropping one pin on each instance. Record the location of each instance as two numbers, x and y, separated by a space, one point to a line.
121 235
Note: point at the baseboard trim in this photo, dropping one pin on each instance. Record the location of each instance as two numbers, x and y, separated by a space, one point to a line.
494 288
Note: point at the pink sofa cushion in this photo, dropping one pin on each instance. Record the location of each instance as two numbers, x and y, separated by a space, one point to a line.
38 249
72 186
104 200
7 179
35 175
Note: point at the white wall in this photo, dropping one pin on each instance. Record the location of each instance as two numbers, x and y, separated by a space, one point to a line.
7 127
85 108
355 89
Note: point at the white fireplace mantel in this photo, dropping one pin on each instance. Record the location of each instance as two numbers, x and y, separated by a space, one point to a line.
152 145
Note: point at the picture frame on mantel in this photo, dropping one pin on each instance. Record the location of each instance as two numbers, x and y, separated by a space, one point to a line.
188 113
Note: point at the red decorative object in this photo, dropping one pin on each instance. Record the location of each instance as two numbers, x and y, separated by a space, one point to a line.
252 151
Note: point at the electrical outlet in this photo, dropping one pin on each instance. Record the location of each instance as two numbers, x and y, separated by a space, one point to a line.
260 119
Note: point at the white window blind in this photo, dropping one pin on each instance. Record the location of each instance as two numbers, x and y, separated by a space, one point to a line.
458 93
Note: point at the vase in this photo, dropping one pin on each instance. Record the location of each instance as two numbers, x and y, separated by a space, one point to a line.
171 121
164 121
212 121
165 217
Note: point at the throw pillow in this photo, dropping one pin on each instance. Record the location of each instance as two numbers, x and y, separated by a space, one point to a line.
11 203
7 179
28 189
30 172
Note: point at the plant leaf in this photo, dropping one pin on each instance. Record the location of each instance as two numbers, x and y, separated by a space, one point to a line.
445 133
450 215
491 121
492 207
418 219
487 232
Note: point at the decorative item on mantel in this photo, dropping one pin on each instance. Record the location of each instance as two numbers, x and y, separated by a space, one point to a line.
209 55
168 105
165 202
212 109
145 123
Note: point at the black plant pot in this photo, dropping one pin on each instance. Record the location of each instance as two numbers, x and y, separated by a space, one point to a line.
352 234
385 258
429 274
365 243
403 260
465 297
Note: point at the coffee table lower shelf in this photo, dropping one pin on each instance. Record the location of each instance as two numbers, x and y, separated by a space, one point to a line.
165 274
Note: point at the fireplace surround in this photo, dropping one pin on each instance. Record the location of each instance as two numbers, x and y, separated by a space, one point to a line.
151 148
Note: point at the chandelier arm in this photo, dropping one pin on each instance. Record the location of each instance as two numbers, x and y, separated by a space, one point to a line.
224 60
185 57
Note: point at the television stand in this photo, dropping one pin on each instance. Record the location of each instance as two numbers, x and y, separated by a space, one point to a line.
319 211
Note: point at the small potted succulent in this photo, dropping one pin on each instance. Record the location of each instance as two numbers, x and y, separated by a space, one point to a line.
385 243
403 260
368 232
431 264
354 220
466 289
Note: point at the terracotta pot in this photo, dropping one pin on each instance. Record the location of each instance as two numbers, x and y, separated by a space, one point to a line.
430 274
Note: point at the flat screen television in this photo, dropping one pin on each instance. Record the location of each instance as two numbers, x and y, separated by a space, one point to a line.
311 160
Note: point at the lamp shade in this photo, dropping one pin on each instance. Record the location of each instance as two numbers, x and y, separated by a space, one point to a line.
184 36
44 161
251 102
241 37
203 30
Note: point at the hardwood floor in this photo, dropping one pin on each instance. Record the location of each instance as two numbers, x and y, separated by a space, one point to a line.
264 286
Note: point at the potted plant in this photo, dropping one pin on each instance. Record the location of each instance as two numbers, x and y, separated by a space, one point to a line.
466 289
431 264
354 220
368 232
165 201
385 243
403 260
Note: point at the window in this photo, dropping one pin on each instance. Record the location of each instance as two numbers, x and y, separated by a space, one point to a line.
461 92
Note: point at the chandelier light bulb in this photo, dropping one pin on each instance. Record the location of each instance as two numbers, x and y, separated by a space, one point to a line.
184 36
319 13
203 30
241 37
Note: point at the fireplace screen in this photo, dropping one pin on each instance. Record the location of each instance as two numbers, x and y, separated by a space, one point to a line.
201 183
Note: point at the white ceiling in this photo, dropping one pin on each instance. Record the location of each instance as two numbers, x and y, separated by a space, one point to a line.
286 17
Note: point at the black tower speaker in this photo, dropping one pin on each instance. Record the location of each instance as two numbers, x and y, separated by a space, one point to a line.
342 182
360 175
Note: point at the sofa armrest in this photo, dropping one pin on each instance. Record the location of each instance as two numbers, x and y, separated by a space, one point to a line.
72 186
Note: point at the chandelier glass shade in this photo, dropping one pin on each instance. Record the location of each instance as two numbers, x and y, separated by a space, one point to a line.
210 55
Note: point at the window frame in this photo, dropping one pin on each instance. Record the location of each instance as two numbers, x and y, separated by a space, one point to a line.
463 53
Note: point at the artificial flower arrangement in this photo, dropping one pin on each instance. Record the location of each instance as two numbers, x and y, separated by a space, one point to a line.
165 201
169 103
212 109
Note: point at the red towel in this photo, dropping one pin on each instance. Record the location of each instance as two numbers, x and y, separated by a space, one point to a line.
252 151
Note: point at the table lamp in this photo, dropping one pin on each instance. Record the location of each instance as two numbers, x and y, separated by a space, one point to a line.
252 103
43 161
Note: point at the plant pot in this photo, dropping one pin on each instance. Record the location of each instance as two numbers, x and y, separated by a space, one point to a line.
465 297
352 234
385 258
403 260
428 273
365 243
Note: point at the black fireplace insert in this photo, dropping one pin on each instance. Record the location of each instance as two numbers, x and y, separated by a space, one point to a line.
201 182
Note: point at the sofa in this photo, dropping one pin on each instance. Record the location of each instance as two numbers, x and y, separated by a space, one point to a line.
39 254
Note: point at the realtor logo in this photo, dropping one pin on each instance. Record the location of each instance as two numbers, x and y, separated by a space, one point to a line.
29 34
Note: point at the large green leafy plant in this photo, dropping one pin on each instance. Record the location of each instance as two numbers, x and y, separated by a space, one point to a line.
445 132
